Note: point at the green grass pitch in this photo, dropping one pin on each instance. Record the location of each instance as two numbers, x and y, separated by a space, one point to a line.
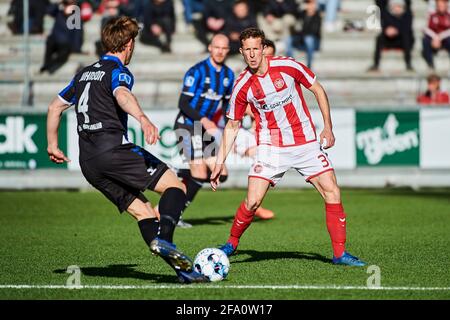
405 233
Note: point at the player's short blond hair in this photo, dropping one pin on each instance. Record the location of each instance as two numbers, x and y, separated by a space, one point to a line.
118 32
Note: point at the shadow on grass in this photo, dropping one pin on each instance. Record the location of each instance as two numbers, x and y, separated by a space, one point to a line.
215 220
256 256
122 271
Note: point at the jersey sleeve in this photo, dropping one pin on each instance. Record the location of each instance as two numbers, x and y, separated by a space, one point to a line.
191 81
67 95
238 102
121 78
304 75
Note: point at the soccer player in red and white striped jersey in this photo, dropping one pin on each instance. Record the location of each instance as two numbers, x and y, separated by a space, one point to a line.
286 138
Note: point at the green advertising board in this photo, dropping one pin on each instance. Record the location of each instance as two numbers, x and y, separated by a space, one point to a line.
387 138
23 142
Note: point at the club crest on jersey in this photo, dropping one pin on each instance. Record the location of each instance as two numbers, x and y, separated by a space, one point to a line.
279 83
189 81
226 82
258 168
123 77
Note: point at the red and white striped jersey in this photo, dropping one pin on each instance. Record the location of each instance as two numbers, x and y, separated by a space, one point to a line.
276 99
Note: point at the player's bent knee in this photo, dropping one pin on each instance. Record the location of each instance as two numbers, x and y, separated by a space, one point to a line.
252 204
181 186
167 181
140 211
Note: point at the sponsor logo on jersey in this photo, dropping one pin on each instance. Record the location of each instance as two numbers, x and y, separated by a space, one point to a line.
189 81
207 80
211 95
258 168
123 77
269 107
279 83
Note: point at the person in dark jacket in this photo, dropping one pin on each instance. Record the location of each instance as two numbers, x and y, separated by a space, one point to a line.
112 9
240 20
383 5
397 32
215 15
159 24
307 37
62 40
279 17
37 11
193 14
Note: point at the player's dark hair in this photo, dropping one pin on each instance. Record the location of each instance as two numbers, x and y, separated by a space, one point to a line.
270 43
252 33
236 2
433 78
118 32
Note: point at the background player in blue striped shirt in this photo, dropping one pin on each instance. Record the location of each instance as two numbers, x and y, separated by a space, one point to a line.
207 87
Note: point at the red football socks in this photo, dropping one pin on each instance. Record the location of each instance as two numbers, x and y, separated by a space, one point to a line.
242 221
336 225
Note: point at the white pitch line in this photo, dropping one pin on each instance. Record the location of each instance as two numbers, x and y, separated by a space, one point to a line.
199 286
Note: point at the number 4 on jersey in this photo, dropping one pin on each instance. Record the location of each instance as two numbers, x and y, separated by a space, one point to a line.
83 102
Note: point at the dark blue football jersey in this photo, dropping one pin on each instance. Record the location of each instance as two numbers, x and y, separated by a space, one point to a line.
101 123
208 89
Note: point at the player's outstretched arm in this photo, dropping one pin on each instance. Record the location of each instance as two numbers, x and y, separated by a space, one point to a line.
55 110
326 136
128 102
229 135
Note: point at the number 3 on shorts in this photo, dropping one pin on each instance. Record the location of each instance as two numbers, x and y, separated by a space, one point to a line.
324 160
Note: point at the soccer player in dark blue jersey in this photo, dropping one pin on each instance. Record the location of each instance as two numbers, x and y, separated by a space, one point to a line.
207 87
101 94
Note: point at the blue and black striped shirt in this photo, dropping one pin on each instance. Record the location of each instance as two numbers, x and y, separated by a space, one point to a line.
207 88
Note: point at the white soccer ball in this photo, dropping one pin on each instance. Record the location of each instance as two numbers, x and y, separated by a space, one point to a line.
212 263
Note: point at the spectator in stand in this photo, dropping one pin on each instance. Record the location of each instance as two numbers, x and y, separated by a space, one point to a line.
240 20
86 12
37 11
279 16
137 8
383 5
306 33
126 6
257 6
193 15
62 41
215 15
396 32
431 6
331 8
159 24
110 9
437 34
434 94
